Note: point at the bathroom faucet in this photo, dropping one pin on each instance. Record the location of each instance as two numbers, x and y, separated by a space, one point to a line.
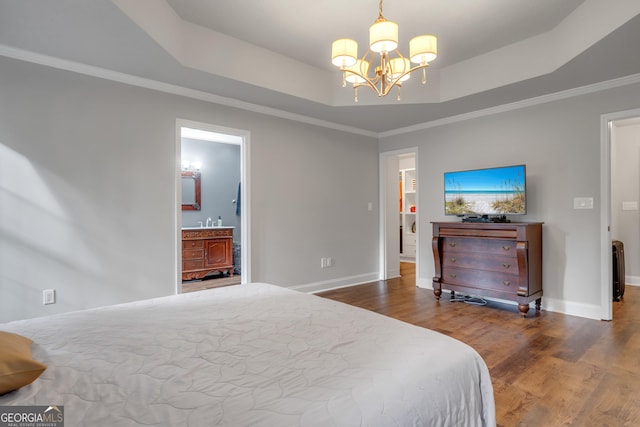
209 222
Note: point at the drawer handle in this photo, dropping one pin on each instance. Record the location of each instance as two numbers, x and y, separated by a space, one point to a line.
453 259
453 275
452 244
506 282
506 248
505 265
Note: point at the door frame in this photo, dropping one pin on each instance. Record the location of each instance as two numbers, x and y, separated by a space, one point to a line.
606 280
245 196
383 272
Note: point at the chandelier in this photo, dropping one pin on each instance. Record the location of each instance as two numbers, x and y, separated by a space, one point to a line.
383 66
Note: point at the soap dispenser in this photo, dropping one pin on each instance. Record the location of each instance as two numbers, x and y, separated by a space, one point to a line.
219 221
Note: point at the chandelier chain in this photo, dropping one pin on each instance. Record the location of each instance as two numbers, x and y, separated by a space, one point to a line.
380 12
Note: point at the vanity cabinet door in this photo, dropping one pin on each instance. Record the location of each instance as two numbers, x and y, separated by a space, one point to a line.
217 253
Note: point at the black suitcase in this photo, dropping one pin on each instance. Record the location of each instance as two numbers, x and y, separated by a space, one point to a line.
618 270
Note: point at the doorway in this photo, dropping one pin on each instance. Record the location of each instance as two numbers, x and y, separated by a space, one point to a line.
616 209
399 212
218 157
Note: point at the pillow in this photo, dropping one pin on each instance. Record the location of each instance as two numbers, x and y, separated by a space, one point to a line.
17 368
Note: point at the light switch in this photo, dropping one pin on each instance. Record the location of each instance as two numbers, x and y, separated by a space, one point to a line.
629 206
583 203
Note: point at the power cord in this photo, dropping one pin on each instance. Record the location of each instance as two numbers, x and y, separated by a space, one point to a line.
468 299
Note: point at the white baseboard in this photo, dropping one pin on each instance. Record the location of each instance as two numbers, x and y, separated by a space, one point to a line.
424 283
571 308
342 282
392 274
548 304
632 280
589 311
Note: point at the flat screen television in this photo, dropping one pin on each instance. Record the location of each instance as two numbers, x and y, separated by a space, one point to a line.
497 191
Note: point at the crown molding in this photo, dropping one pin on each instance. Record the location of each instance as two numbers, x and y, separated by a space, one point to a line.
132 80
569 93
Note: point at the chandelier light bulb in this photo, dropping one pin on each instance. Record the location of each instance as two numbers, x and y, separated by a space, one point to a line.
354 73
383 36
398 67
344 53
423 49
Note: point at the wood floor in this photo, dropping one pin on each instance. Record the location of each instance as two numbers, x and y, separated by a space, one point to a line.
208 283
549 369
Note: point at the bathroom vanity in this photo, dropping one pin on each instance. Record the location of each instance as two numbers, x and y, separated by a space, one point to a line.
206 250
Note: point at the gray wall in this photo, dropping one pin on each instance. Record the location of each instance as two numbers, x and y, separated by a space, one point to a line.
560 144
220 175
625 184
88 193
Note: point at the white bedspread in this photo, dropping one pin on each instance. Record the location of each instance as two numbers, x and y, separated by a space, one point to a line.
251 355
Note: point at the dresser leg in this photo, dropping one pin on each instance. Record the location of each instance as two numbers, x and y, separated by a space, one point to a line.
538 301
523 308
437 292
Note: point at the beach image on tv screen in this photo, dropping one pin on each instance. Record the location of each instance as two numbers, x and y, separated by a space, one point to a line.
496 191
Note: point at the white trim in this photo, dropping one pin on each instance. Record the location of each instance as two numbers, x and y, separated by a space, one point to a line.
569 93
392 274
178 206
343 282
245 193
385 274
424 284
606 289
129 79
632 281
590 311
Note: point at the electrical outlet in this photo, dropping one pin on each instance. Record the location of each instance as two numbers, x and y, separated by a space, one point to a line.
326 262
49 296
583 203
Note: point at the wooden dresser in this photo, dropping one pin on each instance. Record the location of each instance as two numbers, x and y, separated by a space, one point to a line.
206 250
500 260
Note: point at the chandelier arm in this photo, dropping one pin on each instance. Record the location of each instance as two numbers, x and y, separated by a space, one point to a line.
397 82
385 86
367 82
411 70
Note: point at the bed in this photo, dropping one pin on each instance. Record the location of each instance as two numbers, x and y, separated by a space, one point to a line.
254 354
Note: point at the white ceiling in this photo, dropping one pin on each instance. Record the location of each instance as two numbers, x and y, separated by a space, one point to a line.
276 54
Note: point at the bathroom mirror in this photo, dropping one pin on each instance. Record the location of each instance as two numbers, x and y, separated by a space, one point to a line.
190 191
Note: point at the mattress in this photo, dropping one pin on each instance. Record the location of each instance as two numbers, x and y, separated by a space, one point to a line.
251 355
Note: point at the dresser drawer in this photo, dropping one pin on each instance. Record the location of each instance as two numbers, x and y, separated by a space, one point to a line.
503 264
192 244
483 246
480 279
192 264
189 254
